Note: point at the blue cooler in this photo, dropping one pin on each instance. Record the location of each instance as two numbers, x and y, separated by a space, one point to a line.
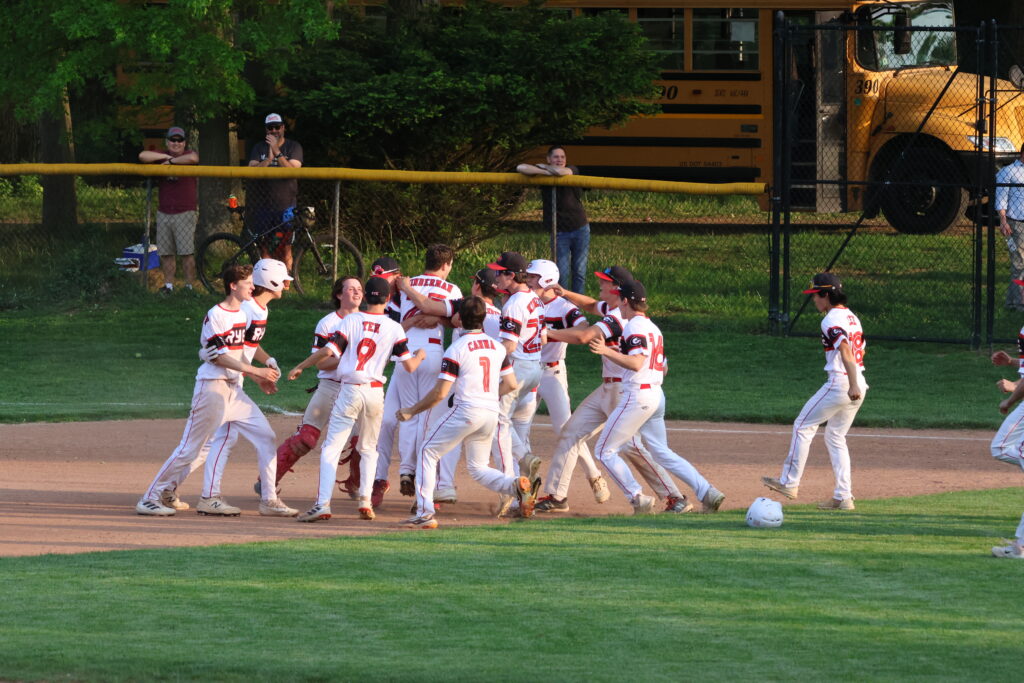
131 258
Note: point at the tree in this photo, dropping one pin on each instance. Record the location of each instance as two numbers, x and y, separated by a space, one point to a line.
461 88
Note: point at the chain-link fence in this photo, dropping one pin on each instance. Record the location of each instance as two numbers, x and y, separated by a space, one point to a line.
892 125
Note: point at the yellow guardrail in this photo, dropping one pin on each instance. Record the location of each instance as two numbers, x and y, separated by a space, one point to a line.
381 175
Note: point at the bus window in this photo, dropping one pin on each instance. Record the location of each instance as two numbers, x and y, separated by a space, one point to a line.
664 31
725 40
880 50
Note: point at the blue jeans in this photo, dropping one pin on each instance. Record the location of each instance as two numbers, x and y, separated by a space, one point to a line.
575 244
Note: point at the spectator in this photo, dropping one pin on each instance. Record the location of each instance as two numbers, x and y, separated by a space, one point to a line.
176 209
269 201
573 242
1010 207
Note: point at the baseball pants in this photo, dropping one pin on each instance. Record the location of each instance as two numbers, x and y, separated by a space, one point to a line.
586 422
641 413
830 404
411 388
388 429
217 403
1008 443
528 374
554 391
474 428
359 406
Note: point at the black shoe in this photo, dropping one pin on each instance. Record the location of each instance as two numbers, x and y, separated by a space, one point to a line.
407 484
552 504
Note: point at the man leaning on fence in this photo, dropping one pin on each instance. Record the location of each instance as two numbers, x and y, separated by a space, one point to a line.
268 200
1010 206
573 242
176 209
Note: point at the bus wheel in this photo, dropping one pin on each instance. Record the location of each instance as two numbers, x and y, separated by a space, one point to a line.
927 196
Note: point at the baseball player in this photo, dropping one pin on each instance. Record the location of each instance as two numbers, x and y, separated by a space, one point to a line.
836 402
641 406
1008 443
411 387
218 398
364 343
590 415
269 278
478 370
346 295
553 389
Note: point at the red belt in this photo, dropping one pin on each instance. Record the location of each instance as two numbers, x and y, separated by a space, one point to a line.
609 380
645 386
554 365
433 341
375 384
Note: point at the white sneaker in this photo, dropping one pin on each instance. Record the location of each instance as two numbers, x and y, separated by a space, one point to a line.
600 489
316 514
169 499
445 495
1011 552
276 508
643 505
712 500
153 508
217 506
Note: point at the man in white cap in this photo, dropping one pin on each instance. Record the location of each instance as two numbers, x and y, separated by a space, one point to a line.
270 201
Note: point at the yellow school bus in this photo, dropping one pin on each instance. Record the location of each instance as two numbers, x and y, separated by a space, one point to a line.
864 94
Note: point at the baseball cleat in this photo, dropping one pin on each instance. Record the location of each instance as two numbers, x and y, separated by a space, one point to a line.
678 504
1011 552
600 489
445 495
529 466
504 504
836 504
424 522
315 514
551 504
366 512
529 504
712 500
276 508
407 484
777 486
169 499
380 487
153 509
217 506
642 505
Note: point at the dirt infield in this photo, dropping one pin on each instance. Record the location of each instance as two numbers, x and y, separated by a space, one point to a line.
70 488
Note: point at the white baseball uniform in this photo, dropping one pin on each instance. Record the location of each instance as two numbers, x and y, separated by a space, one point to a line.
641 411
1008 443
830 404
521 323
364 343
217 399
475 363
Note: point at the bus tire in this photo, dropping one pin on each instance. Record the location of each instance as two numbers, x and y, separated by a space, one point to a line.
933 198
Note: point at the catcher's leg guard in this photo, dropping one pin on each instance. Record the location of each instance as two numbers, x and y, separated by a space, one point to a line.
294 447
351 456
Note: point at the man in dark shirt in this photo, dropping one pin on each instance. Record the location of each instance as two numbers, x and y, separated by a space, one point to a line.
269 200
573 242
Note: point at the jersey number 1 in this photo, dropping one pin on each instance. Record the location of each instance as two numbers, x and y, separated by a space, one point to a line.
485 365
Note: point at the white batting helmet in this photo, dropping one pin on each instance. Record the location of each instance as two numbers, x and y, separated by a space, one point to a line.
547 270
764 513
270 274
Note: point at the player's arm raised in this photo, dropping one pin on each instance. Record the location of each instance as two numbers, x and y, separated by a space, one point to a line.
846 355
581 301
426 305
581 334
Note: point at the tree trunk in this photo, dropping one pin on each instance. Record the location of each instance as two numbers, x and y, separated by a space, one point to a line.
56 146
217 143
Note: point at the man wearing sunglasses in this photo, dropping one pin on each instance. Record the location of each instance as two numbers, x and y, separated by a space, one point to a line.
176 209
269 200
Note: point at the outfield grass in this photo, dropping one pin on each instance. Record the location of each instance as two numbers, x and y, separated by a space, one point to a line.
900 589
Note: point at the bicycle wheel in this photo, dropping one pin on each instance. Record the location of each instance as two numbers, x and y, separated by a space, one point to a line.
314 276
217 252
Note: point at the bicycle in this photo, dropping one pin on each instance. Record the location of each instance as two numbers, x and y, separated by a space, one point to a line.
311 253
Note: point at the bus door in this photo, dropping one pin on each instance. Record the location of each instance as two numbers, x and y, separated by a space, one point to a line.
830 106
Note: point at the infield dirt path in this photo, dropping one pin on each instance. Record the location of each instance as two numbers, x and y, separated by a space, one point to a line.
72 487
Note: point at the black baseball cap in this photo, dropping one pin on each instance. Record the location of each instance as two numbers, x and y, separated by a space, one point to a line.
616 274
377 286
632 291
824 282
385 265
486 277
510 260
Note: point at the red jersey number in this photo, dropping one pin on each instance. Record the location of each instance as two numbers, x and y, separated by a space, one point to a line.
485 366
657 352
532 343
364 352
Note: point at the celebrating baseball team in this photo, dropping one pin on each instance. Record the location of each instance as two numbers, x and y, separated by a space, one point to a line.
478 396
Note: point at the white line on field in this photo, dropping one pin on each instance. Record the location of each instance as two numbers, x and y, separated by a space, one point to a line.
787 433
14 404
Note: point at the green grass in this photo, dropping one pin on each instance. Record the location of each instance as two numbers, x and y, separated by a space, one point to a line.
900 589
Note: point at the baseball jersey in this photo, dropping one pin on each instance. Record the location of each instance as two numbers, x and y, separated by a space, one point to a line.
559 314
223 330
476 363
434 288
611 327
520 322
1020 351
255 327
642 337
365 342
839 325
328 325
492 322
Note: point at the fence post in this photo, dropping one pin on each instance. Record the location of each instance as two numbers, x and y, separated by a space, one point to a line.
335 227
990 176
980 129
554 226
785 165
778 142
144 258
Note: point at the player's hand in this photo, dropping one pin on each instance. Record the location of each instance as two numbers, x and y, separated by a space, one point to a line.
1004 406
1001 358
294 373
425 322
402 282
208 354
272 363
403 415
420 354
1006 386
268 374
853 393
555 289
598 346
267 386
